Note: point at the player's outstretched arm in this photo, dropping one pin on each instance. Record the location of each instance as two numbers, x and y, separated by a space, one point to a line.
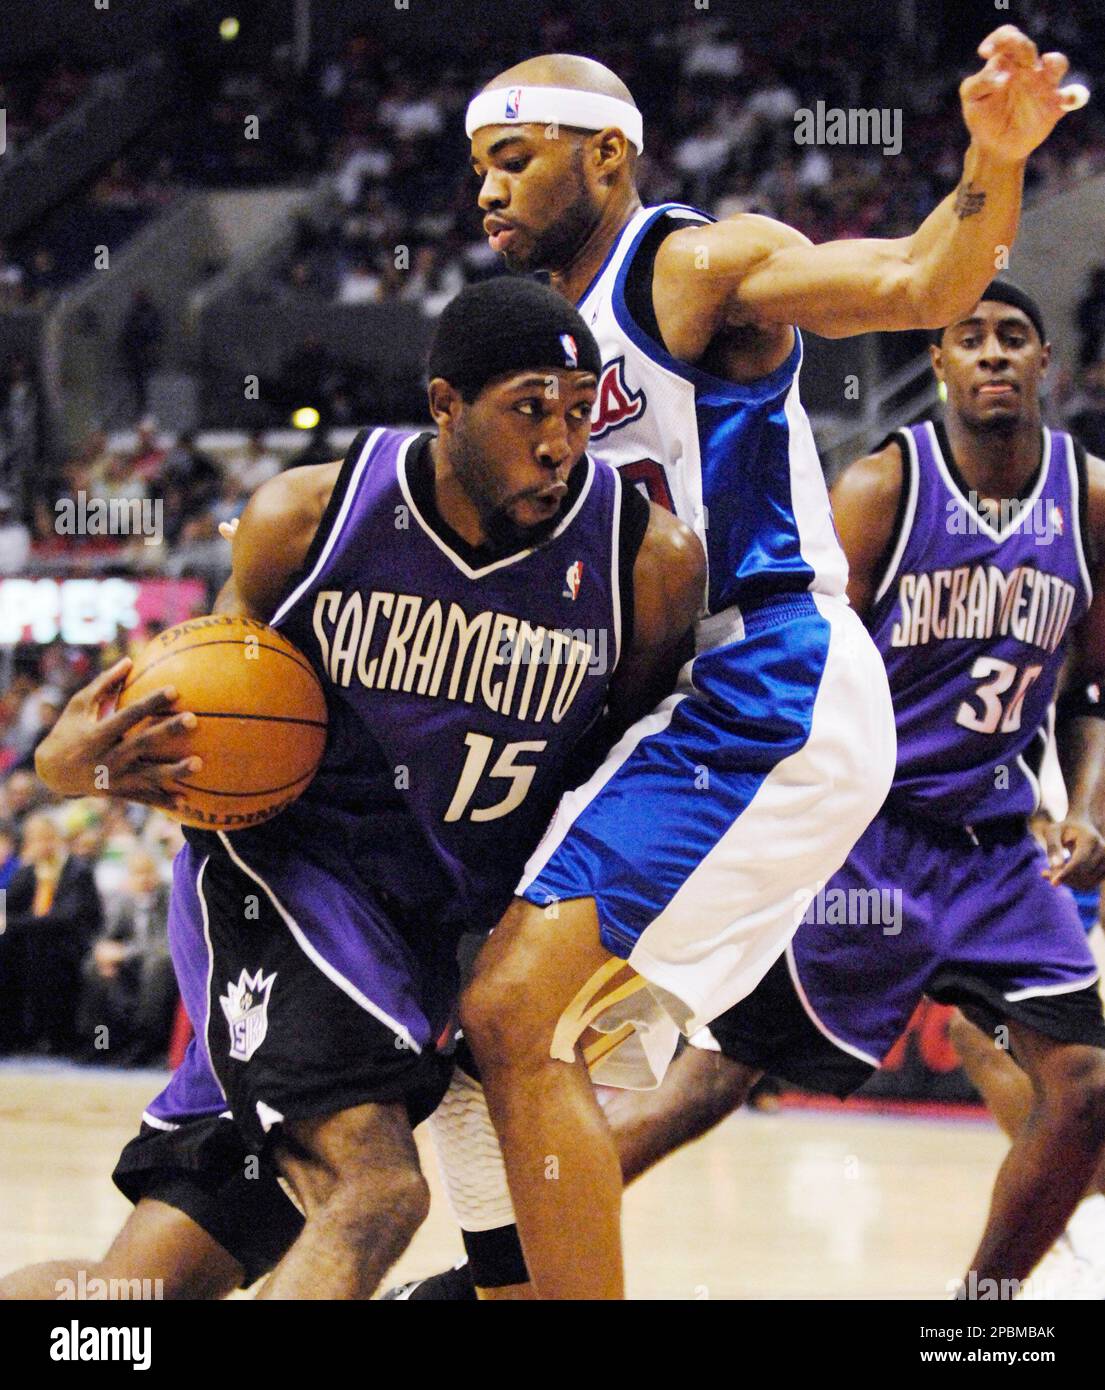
1076 844
669 580
865 503
750 270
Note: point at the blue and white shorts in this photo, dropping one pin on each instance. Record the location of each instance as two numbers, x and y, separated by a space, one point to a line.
715 819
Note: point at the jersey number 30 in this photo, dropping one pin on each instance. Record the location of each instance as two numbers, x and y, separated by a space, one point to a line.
996 712
520 777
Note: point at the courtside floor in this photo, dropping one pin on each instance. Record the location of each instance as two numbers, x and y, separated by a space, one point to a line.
793 1204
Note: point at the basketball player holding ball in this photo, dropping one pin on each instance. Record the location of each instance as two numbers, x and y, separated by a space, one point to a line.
476 604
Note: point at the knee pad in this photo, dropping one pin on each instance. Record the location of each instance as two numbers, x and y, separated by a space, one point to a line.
468 1155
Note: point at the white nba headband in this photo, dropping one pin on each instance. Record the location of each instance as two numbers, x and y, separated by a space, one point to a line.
554 106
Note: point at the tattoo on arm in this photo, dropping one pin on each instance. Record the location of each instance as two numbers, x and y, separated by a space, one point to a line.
968 201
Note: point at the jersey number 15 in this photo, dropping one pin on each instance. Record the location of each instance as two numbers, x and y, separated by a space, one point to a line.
520 777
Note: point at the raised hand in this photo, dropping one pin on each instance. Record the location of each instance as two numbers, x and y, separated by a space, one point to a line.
87 752
1015 102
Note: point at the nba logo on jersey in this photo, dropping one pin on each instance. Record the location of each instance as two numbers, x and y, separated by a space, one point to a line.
513 103
1057 520
573 578
571 352
246 1006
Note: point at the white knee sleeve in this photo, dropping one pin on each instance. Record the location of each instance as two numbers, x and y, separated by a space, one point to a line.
468 1155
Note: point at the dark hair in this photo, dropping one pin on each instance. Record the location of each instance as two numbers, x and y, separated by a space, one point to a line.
1004 292
508 324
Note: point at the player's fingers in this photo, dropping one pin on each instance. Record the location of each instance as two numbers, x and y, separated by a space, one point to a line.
159 702
162 800
183 767
1055 66
1083 847
227 529
979 85
1083 870
144 744
105 684
1009 43
1074 97
1052 833
1072 865
160 779
1053 846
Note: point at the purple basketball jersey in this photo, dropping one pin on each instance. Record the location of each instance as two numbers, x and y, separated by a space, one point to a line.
455 694
970 617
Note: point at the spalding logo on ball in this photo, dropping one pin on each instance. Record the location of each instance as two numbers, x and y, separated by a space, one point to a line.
260 711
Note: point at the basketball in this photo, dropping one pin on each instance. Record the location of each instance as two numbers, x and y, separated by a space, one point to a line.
261 713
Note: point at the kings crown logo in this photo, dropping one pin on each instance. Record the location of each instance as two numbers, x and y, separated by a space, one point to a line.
246 1006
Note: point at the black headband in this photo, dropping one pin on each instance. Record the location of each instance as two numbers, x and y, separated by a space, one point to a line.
1005 293
509 324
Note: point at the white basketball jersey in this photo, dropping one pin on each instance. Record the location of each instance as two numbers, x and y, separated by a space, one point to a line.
734 461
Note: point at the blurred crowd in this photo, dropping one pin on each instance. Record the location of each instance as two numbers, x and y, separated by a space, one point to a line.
719 110
176 491
720 133
36 94
84 960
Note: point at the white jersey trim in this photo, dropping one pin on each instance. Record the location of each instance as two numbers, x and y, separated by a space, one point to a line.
977 519
155 1123
1043 991
910 466
819 546
825 1032
320 962
1032 780
1076 520
335 530
210 974
615 568
452 556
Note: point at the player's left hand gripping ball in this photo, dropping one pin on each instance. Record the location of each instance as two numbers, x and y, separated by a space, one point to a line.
260 717
1015 102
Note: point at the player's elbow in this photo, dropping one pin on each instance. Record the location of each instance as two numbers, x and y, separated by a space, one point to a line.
931 299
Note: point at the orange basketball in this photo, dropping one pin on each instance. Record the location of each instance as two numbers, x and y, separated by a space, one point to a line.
261 713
